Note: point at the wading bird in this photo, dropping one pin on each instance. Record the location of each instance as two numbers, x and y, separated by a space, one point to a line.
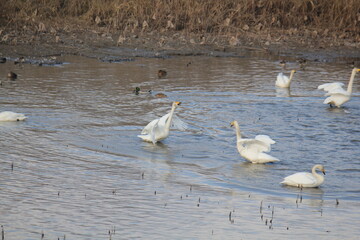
253 149
283 81
336 95
306 179
159 129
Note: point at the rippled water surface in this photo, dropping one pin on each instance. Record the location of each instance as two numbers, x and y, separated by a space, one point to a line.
76 169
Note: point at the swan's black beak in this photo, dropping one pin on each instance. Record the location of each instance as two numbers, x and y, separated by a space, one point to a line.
323 171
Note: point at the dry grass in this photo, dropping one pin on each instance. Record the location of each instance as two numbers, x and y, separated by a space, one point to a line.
195 16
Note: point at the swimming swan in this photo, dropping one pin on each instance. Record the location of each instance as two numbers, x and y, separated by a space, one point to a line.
252 149
305 179
336 95
159 129
8 116
283 81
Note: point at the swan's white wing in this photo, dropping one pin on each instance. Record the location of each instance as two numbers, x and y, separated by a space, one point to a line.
254 145
176 122
281 80
179 124
149 132
331 86
337 91
159 122
148 128
337 99
265 138
163 120
265 158
301 178
152 133
156 128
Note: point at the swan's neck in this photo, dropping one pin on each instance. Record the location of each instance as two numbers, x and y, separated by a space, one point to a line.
291 76
168 122
349 88
237 129
319 177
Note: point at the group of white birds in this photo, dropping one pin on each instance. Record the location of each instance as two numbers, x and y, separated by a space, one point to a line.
336 94
255 150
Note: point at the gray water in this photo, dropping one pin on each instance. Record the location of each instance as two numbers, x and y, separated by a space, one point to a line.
76 169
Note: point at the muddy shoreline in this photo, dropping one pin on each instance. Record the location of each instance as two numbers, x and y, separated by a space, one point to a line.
106 45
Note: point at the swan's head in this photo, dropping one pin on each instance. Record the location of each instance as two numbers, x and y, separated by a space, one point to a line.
293 71
233 123
320 167
357 69
176 103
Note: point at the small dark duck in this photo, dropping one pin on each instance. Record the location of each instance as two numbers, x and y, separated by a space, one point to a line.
162 73
136 91
12 75
302 62
160 95
282 63
19 60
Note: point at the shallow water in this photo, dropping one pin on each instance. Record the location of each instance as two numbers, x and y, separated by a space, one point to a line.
76 167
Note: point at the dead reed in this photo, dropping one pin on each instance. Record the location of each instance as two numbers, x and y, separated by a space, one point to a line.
195 16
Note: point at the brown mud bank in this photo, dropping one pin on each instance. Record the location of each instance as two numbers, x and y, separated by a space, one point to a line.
324 30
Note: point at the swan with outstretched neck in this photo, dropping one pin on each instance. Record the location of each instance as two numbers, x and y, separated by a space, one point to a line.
336 95
8 116
253 149
283 81
306 179
159 129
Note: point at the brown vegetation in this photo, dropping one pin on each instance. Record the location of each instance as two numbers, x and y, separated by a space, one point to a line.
198 16
166 24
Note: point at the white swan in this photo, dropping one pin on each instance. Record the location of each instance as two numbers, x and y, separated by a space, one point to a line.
8 116
283 81
305 179
159 129
336 95
252 149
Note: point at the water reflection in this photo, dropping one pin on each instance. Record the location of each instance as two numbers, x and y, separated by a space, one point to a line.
283 92
338 110
250 170
81 138
158 150
11 124
312 193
